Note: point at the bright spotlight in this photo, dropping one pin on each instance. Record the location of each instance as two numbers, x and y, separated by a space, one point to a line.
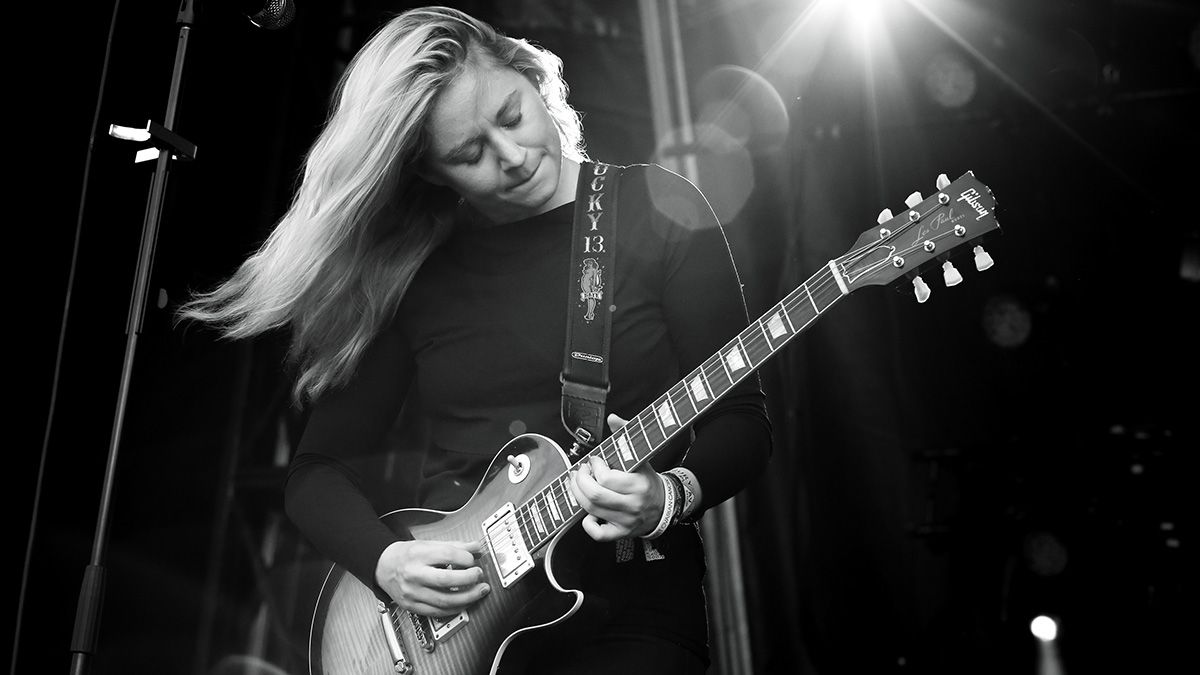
864 15
1044 628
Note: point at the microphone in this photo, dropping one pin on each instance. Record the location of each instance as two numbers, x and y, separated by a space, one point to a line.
272 15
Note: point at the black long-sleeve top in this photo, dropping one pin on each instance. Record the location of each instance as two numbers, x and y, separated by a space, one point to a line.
479 337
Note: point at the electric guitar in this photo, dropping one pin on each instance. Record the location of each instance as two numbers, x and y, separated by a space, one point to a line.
522 509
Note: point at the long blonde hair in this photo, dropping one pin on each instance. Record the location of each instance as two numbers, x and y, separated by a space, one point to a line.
362 221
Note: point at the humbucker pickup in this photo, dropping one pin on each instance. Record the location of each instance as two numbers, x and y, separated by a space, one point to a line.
507 545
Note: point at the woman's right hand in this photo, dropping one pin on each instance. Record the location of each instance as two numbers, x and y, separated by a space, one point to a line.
432 578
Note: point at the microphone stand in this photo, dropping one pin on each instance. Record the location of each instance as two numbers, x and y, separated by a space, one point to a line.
167 146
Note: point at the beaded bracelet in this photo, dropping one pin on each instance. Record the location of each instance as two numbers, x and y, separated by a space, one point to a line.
668 513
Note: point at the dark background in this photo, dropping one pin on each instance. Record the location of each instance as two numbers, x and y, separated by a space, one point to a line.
943 472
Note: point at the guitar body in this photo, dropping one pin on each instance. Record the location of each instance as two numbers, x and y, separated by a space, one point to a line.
348 636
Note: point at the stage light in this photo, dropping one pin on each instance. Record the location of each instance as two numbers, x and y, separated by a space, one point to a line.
1044 628
865 17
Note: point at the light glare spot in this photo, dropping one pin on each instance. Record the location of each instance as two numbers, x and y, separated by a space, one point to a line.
1044 628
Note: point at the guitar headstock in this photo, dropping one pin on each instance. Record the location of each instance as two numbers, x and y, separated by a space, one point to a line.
928 231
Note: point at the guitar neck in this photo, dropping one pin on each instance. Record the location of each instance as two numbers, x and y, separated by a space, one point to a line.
552 509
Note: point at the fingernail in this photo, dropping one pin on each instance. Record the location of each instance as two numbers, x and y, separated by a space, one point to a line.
486 589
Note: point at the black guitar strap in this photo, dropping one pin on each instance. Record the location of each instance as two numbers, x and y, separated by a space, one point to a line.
590 286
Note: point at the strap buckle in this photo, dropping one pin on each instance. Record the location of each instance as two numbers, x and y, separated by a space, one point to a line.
583 439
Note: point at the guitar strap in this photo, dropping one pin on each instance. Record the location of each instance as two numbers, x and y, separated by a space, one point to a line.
590 287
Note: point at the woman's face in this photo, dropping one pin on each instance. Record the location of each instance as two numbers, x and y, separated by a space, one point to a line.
492 141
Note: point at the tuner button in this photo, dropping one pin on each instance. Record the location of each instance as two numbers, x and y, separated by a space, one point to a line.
920 289
913 199
942 181
982 259
884 216
951 275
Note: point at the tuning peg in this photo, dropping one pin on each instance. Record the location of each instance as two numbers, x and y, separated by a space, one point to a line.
942 181
884 216
982 259
913 199
920 289
950 275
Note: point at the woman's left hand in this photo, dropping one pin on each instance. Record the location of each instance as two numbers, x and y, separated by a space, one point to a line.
618 504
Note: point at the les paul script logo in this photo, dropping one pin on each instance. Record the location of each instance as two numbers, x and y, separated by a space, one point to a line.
935 224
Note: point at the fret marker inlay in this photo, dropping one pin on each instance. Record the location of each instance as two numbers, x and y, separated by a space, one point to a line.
623 446
665 416
698 391
775 325
734 358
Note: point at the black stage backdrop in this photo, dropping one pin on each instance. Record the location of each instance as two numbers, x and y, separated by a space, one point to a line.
942 473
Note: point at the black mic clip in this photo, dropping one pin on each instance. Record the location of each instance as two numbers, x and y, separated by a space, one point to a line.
160 137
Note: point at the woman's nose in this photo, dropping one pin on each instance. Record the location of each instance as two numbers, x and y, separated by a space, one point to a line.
511 153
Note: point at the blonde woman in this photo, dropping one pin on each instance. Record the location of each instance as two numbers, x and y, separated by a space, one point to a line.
426 252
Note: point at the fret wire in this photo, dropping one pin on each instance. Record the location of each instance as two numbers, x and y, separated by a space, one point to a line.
810 298
646 437
539 500
721 359
558 488
616 456
708 366
688 392
754 342
551 505
642 425
661 429
539 523
675 391
708 388
674 410
742 350
754 355
763 328
717 368
521 528
530 530
784 312
690 387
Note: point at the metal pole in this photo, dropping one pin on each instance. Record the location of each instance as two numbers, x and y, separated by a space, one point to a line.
722 547
87 613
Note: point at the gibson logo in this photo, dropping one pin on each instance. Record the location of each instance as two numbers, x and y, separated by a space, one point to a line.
971 197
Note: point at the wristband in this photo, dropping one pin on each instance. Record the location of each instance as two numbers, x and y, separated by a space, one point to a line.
668 512
677 508
688 488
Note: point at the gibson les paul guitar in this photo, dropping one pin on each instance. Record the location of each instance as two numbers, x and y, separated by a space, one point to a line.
522 508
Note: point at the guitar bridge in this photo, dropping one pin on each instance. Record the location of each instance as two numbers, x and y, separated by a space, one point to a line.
507 545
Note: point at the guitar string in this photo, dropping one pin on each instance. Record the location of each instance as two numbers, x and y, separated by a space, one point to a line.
759 350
